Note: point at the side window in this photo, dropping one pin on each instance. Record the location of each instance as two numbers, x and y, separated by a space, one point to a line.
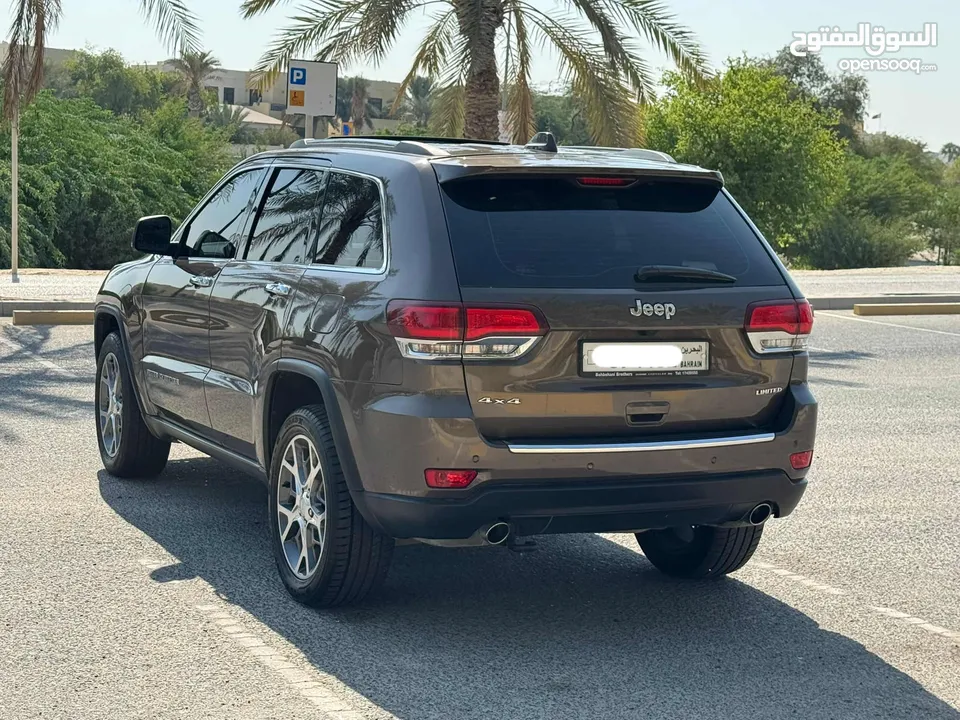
217 230
286 224
351 227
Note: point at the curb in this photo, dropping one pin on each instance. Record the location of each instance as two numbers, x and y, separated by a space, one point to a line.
9 307
945 308
53 317
848 303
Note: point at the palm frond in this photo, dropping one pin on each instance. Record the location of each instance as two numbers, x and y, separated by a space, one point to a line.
249 8
432 53
520 97
449 114
619 48
653 20
174 23
23 67
609 112
337 31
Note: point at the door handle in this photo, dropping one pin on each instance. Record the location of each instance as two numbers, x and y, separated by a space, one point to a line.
201 281
278 289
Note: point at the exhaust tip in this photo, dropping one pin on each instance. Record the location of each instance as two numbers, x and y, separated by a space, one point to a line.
497 533
760 514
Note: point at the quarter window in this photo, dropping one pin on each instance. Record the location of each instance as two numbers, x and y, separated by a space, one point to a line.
351 226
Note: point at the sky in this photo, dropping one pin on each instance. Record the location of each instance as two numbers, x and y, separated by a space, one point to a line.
923 106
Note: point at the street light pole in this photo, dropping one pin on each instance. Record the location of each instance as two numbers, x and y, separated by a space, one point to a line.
14 195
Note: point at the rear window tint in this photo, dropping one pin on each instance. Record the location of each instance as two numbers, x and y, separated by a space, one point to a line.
555 233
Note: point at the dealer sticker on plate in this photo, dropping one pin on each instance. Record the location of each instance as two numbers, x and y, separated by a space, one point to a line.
633 359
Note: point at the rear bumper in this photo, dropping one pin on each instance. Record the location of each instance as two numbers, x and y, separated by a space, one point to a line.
587 506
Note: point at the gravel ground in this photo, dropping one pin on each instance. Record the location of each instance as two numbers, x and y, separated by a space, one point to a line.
159 599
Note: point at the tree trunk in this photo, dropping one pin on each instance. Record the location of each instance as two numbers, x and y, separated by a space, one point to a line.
194 103
479 21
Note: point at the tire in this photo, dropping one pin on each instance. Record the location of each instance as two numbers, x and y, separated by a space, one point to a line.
138 453
701 551
352 558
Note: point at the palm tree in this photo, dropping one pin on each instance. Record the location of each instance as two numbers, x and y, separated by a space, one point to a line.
33 21
951 151
416 105
597 54
194 68
353 102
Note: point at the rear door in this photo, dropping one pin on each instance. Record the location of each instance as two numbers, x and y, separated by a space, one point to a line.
251 300
585 252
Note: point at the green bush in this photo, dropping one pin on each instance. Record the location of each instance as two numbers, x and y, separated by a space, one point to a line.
88 175
854 238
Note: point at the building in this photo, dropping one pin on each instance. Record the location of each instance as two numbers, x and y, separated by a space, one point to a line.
234 87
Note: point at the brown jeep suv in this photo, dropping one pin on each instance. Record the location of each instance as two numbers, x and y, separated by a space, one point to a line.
466 343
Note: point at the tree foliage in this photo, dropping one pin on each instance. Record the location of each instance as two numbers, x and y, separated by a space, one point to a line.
776 152
111 83
87 175
593 40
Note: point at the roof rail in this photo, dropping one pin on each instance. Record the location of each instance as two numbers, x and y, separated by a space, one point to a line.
642 153
408 145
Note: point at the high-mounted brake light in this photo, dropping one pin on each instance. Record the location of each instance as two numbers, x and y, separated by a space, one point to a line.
606 181
780 326
443 332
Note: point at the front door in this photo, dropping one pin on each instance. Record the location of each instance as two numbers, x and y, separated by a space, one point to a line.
251 300
176 300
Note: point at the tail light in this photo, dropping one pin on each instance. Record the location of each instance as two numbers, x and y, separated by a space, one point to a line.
449 478
779 326
439 332
606 181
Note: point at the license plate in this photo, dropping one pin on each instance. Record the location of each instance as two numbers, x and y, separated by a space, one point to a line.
633 359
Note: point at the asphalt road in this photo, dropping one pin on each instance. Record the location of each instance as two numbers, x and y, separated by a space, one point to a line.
160 600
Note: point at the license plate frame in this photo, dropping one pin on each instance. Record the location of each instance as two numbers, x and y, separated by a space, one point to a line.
695 352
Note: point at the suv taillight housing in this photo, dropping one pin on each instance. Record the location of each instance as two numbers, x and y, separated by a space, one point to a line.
779 326
426 331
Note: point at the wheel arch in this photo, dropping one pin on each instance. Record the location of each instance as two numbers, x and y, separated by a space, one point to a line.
293 384
108 319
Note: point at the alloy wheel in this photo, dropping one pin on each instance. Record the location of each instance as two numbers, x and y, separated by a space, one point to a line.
301 507
111 405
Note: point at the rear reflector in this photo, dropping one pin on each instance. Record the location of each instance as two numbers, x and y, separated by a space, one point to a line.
449 478
443 332
779 326
606 181
801 460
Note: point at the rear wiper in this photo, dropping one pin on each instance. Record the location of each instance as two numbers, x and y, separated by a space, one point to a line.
681 273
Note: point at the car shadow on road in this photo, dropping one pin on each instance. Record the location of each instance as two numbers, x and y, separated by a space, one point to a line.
583 628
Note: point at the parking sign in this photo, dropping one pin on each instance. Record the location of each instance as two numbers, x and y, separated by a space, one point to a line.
312 88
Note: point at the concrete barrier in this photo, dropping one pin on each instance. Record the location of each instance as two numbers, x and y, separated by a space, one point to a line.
947 308
53 317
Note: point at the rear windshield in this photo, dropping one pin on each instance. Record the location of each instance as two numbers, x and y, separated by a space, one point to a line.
557 233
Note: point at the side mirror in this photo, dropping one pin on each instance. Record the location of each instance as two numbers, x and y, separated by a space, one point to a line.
153 234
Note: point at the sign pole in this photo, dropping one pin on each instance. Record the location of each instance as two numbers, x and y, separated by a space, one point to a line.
308 126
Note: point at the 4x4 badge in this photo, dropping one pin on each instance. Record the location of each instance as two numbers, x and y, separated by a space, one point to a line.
499 401
664 310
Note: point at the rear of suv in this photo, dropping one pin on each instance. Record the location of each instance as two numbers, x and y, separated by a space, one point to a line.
468 344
